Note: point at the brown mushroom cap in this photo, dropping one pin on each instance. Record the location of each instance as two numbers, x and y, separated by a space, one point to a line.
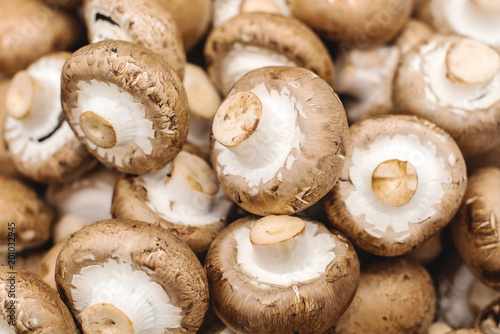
360 23
470 113
247 304
30 30
475 230
393 296
132 199
422 197
41 143
146 23
311 130
429 250
23 213
37 307
144 247
487 319
283 36
150 94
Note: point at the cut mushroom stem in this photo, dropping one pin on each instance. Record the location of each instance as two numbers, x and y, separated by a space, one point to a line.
21 95
98 129
198 176
106 318
237 119
489 5
394 182
278 243
267 6
472 62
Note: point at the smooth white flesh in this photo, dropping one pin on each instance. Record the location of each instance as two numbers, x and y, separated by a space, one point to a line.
22 135
176 201
132 291
133 130
245 58
274 145
224 10
101 30
431 171
312 253
470 20
440 89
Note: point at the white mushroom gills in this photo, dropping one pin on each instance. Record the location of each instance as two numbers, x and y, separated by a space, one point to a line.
103 27
186 192
225 10
266 6
113 296
283 250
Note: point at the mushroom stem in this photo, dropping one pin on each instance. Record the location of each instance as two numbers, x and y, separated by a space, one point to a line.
196 173
278 243
98 129
394 182
107 319
21 95
489 5
267 6
472 62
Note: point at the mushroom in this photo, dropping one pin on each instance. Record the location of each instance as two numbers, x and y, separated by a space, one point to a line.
477 19
25 218
42 145
402 182
82 202
360 23
281 140
488 319
393 296
146 23
184 198
280 274
225 10
126 104
204 100
46 268
455 83
6 164
192 18
475 231
125 276
30 30
255 40
480 295
29 305
429 250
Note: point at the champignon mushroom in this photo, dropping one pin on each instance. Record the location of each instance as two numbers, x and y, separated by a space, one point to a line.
126 276
225 10
477 19
393 296
184 198
455 83
82 202
281 139
280 274
429 250
29 305
480 295
475 231
25 218
30 30
360 23
144 22
254 40
192 18
403 181
43 147
488 319
126 104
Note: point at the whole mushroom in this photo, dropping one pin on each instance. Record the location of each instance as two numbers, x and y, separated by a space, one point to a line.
281 139
280 274
126 104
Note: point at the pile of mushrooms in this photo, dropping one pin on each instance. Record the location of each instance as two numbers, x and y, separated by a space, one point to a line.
250 166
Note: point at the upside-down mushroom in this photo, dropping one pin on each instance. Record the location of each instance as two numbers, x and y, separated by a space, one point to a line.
280 274
184 198
254 40
124 276
225 10
281 138
402 182
29 30
453 82
42 145
29 305
144 22
126 104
